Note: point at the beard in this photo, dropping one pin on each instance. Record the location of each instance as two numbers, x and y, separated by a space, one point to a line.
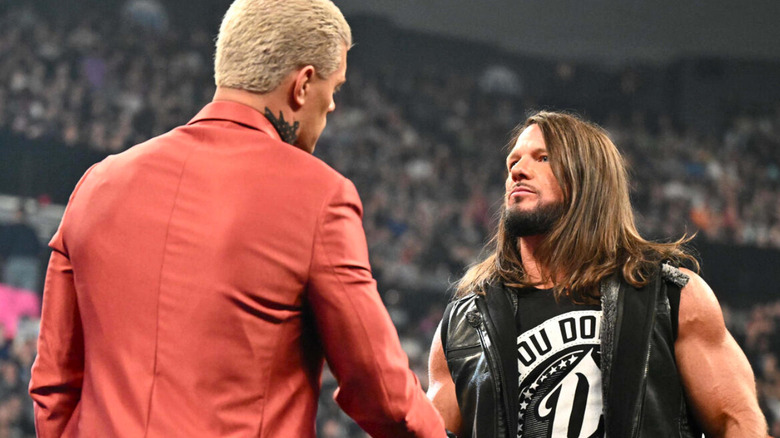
540 220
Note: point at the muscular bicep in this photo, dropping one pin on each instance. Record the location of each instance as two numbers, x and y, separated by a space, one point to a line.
717 377
441 388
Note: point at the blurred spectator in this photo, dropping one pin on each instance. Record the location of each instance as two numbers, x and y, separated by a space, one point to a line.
20 249
16 410
16 304
147 14
501 80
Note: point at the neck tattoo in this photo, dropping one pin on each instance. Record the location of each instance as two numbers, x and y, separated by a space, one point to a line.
288 133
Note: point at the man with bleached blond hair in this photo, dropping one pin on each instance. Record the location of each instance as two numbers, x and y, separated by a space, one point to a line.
199 280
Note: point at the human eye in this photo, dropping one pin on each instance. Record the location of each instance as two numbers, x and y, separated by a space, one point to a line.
544 158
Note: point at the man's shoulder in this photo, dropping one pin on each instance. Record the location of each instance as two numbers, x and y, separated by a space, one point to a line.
673 274
463 301
461 309
461 314
466 302
174 144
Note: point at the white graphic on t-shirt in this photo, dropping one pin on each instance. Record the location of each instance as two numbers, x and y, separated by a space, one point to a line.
560 380
562 409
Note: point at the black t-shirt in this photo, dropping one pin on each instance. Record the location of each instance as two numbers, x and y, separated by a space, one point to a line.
559 359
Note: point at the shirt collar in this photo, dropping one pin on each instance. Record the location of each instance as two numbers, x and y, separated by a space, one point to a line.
238 113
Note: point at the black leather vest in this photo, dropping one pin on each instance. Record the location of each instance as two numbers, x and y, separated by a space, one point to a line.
643 396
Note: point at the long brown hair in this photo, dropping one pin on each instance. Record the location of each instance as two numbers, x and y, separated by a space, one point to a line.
596 235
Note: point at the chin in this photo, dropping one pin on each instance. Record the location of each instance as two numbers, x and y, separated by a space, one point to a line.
517 206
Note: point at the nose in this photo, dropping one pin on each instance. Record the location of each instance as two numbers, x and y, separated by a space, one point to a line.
521 170
332 106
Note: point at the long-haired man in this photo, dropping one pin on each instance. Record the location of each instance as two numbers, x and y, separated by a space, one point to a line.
576 326
198 280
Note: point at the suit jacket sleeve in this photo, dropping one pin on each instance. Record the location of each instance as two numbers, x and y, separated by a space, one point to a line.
376 387
58 370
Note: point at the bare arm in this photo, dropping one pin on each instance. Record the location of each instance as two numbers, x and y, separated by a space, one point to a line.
441 388
717 377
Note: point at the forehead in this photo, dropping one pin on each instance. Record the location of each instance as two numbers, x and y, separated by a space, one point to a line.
529 140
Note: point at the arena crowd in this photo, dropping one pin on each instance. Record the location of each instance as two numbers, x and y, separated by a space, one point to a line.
425 148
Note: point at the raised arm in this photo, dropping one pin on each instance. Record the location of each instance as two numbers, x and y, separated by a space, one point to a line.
718 381
441 388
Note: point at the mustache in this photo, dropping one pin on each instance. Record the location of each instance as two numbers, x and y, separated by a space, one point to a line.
523 186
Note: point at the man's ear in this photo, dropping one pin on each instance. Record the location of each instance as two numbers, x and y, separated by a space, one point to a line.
301 85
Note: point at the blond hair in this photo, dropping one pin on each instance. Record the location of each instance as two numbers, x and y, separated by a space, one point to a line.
261 41
596 235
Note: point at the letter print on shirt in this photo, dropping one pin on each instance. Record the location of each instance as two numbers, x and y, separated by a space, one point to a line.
560 377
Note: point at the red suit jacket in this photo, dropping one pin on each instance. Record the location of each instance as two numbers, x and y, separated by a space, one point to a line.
196 282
